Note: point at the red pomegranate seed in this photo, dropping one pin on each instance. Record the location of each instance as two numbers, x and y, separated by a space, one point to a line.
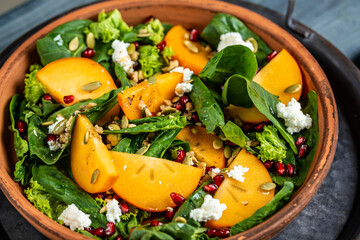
161 45
303 150
195 118
210 188
117 198
21 126
177 198
218 179
52 137
98 195
155 223
124 208
149 19
280 168
271 56
180 155
88 229
300 141
269 165
47 97
169 214
208 169
153 114
119 238
222 233
110 229
247 127
136 45
211 232
99 232
69 99
183 100
290 169
230 143
194 34
178 106
88 53
260 127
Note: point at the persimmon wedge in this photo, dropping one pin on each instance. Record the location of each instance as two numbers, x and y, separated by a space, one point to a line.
279 74
175 39
82 78
152 94
147 182
91 163
242 198
202 144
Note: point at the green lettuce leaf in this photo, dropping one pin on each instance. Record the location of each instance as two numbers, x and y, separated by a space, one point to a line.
156 30
271 146
167 54
150 60
34 90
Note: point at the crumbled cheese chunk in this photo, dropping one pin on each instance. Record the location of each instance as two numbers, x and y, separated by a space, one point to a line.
75 218
211 209
216 170
182 88
238 173
233 38
59 118
113 211
185 86
295 119
187 73
54 145
59 41
121 56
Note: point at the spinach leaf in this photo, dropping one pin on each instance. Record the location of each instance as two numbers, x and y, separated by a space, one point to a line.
49 107
209 111
236 59
166 27
136 142
265 102
180 143
22 172
123 145
279 200
234 134
101 52
88 234
223 23
66 191
235 92
55 45
162 142
153 119
122 76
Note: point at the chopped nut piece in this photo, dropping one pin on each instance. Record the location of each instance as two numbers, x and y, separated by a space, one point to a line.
131 125
180 220
135 76
141 75
189 106
172 64
134 56
98 129
202 165
168 103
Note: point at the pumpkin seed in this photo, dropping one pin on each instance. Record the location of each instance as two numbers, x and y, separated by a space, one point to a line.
227 151
131 49
144 33
59 128
86 137
95 176
143 149
252 143
187 160
152 80
268 186
92 86
235 152
148 113
131 125
133 83
103 209
74 44
222 137
191 46
124 122
253 43
194 131
90 40
47 123
217 144
169 110
113 127
229 161
293 88
180 220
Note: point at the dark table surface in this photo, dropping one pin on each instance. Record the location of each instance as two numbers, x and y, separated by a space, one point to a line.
325 216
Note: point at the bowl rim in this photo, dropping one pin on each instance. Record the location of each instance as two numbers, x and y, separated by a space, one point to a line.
264 230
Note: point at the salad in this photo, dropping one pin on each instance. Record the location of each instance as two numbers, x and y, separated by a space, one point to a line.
155 131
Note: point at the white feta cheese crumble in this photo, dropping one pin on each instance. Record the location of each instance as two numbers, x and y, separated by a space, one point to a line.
54 145
182 88
121 56
59 41
238 173
216 170
59 118
75 218
295 119
185 86
233 38
187 73
211 209
113 211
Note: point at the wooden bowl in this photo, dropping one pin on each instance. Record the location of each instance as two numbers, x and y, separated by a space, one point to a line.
190 14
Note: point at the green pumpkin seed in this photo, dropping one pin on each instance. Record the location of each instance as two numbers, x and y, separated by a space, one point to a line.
293 88
124 122
222 137
254 43
47 123
252 143
217 144
86 137
227 151
168 111
90 40
235 152
59 128
113 127
133 83
131 49
180 220
191 46
95 176
91 86
268 186
175 99
74 44
143 149
152 80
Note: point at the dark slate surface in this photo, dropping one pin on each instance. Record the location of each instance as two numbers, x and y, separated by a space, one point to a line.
325 216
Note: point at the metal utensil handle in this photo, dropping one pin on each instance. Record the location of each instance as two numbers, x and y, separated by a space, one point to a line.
291 24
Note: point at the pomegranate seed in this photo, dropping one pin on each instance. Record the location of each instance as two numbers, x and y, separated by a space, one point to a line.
210 188
21 126
149 19
247 127
52 137
178 106
88 53
110 229
119 238
124 208
280 168
269 165
153 114
177 198
271 56
161 45
169 214
303 150
88 229
99 232
211 232
194 34
69 99
47 97
218 179
136 45
208 169
180 155
155 223
223 233
260 127
300 141
230 143
98 195
195 118
117 198
290 170
183 100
